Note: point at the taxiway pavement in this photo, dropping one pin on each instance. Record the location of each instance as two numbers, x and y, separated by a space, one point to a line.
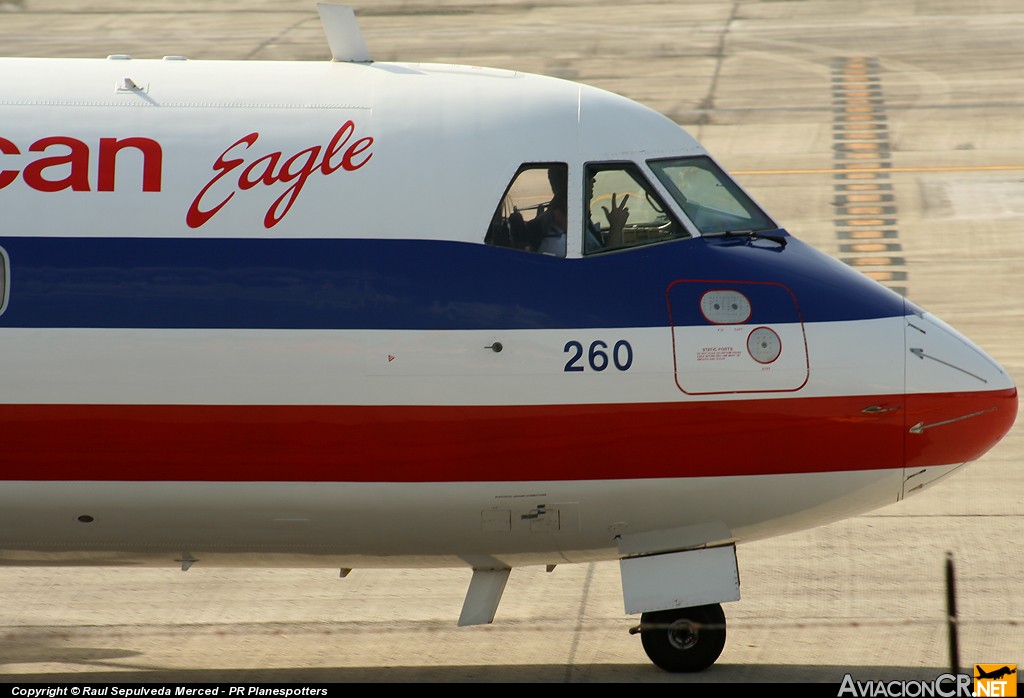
767 86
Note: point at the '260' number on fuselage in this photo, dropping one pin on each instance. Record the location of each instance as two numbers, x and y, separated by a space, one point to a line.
598 356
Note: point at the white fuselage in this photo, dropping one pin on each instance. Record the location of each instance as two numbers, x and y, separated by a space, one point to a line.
249 318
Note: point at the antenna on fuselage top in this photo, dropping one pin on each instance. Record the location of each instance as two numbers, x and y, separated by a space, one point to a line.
343 33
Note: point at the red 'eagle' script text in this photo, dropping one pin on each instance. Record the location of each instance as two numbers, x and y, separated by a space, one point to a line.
273 168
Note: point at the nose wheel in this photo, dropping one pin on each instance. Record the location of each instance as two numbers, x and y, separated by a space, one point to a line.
683 639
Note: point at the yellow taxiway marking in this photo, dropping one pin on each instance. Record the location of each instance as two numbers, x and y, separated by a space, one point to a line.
865 234
869 247
880 275
980 168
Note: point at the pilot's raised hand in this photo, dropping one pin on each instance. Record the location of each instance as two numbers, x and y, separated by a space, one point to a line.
616 220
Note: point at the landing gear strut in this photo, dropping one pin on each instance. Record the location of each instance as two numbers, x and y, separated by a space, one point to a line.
683 639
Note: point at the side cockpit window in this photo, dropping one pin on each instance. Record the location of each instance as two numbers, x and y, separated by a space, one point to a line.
532 214
708 197
623 210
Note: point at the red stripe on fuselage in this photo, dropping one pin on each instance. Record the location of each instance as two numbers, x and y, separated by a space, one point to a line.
495 443
957 427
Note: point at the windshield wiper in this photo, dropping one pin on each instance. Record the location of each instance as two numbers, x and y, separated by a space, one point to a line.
752 234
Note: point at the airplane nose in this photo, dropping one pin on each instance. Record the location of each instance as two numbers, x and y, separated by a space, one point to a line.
960 402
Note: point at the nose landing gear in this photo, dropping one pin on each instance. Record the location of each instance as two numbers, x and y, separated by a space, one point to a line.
683 639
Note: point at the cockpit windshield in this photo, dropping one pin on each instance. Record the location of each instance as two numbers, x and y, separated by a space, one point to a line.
708 197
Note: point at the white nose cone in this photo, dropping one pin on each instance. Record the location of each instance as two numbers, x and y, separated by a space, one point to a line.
943 360
960 402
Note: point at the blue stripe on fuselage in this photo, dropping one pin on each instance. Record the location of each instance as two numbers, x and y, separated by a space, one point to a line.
406 284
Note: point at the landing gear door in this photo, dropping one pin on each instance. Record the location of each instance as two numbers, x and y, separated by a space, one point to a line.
737 337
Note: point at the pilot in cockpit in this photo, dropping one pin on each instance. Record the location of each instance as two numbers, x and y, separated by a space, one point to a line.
528 218
594 237
546 232
535 227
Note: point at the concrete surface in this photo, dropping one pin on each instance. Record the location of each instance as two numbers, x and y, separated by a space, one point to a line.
768 86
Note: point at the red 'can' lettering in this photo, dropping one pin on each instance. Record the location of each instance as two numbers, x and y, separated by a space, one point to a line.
65 163
8 176
152 162
75 163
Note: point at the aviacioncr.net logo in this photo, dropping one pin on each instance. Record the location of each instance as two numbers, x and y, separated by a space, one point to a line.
944 686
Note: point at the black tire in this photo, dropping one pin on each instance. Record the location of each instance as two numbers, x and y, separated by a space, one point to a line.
684 639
